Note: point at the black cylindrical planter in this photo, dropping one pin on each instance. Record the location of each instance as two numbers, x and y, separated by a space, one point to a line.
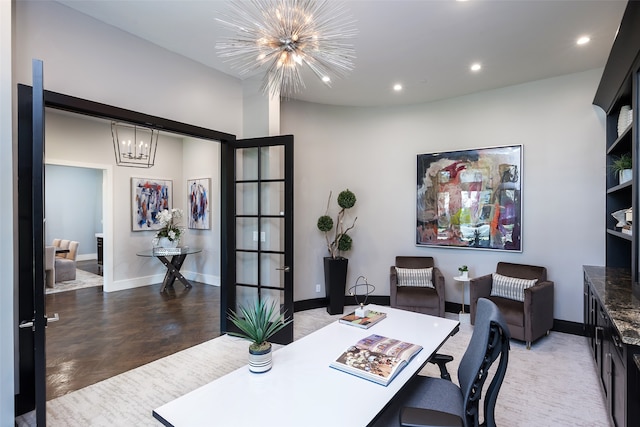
335 281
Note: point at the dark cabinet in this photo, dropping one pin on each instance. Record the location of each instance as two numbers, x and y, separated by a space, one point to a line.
607 293
99 250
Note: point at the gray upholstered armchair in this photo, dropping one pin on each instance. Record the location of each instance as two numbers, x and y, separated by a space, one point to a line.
527 306
65 264
416 295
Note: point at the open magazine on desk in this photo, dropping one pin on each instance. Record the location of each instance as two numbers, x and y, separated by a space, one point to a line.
376 358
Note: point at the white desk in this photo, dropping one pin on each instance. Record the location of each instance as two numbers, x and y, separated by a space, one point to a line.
301 389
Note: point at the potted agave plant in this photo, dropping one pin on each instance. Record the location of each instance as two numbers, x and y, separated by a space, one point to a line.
338 241
258 323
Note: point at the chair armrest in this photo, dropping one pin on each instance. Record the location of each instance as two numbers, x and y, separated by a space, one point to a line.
421 417
538 307
480 287
441 360
439 284
393 286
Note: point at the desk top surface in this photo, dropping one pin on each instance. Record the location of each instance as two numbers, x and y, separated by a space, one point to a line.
184 250
301 388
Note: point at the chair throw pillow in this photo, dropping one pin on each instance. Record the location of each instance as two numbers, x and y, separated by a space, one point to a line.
510 287
417 277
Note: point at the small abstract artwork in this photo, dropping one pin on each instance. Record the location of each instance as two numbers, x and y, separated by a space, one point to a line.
149 198
470 199
198 195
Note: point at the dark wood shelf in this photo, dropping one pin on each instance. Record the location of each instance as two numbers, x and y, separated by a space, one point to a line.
622 144
620 234
620 187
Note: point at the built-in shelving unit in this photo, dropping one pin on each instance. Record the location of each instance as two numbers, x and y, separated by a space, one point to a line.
619 88
611 305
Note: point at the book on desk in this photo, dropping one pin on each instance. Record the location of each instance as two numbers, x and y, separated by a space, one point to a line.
376 358
371 319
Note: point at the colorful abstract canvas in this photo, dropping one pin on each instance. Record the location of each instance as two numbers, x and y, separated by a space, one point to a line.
198 195
470 199
149 197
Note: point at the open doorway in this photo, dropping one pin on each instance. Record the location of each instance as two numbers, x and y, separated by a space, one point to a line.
105 331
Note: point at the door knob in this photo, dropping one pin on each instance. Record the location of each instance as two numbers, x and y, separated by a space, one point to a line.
284 268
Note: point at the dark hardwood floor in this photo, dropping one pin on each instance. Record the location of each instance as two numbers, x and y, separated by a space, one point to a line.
100 335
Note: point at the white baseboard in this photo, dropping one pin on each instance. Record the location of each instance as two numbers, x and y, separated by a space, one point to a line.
120 285
86 257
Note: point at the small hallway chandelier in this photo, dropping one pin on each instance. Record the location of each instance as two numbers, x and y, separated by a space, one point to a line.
280 36
134 146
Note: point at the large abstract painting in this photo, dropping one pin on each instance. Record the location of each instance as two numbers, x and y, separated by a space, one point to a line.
198 194
149 197
470 199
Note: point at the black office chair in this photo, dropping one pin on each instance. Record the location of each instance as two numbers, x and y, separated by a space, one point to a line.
428 401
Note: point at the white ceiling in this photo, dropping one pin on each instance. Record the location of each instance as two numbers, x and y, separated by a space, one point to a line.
426 45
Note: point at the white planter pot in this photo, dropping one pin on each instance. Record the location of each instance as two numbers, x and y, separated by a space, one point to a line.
625 175
260 361
464 275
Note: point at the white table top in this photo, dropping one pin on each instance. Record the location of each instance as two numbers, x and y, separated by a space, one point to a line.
301 389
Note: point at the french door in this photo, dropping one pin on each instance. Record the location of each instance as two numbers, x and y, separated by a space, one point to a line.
32 320
258 263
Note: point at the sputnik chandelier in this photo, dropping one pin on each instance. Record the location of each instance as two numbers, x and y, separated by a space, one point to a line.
279 36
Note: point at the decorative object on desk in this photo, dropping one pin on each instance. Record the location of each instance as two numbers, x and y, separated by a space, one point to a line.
149 197
335 266
134 146
368 289
280 37
364 322
199 217
376 358
625 118
169 235
258 323
622 166
464 271
470 199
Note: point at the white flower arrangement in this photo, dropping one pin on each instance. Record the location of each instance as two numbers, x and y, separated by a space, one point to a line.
169 220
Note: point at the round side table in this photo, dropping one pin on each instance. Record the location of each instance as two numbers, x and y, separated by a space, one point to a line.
463 317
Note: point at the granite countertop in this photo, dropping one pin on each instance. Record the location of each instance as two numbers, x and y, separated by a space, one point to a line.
613 288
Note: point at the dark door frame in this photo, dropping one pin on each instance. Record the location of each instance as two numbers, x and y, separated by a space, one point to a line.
95 109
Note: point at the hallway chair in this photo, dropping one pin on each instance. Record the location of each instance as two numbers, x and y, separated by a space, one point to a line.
428 401
65 265
417 285
524 296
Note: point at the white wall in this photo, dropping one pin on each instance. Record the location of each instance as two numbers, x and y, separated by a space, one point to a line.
372 151
89 59
201 159
73 206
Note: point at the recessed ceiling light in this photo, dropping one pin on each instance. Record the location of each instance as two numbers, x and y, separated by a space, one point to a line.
326 79
476 67
397 87
583 40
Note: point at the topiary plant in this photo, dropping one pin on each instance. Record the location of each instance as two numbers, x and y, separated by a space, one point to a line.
341 241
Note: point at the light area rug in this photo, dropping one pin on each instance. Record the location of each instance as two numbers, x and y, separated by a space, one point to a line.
553 384
84 279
